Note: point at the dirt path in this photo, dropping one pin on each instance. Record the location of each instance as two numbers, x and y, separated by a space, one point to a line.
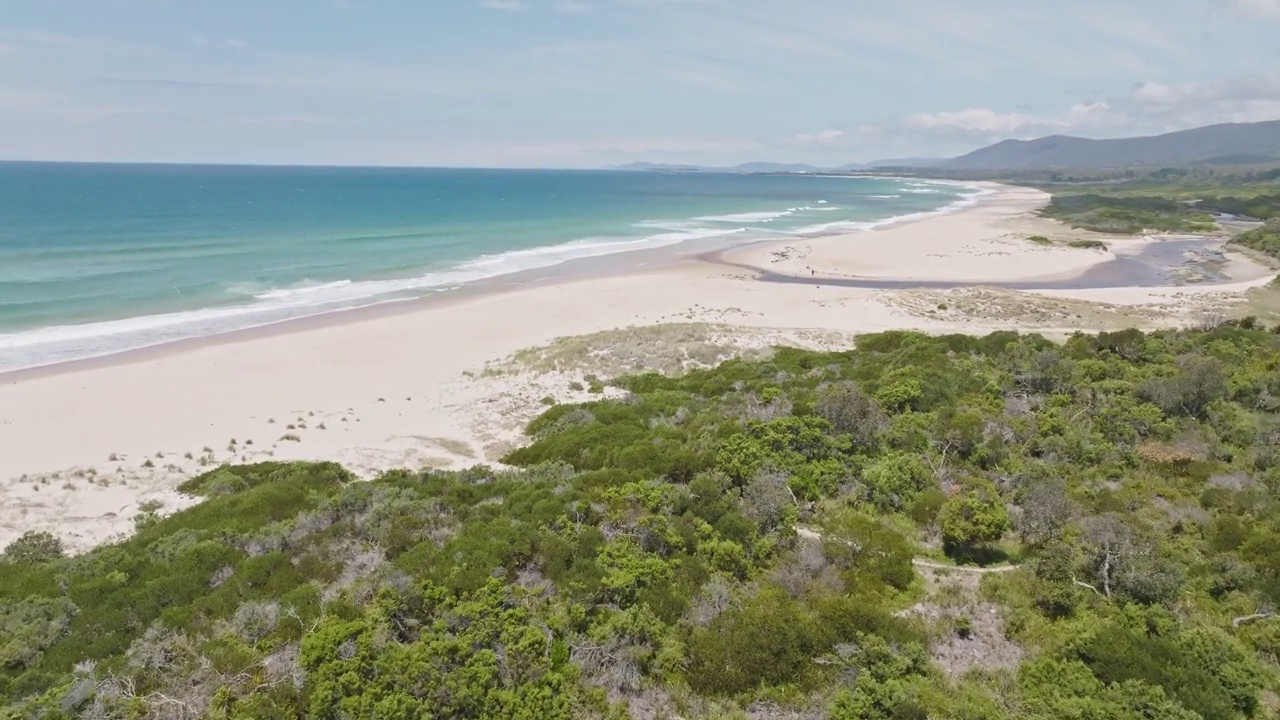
923 563
811 534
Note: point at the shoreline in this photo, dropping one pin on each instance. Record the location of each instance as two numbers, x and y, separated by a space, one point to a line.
606 264
432 382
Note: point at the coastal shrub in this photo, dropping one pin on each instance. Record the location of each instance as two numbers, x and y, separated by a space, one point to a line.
852 412
975 516
1263 206
763 536
770 640
1196 382
450 665
1087 244
894 480
1127 214
1265 239
1040 240
28 627
34 548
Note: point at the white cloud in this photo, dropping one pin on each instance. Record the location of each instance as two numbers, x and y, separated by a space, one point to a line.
1239 99
1266 9
1193 94
821 138
235 43
975 119
708 150
284 119
56 108
1149 108
575 7
510 5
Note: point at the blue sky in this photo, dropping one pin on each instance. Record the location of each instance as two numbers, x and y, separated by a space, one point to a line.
589 83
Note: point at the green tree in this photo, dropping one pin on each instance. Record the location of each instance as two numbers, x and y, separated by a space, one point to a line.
975 516
893 480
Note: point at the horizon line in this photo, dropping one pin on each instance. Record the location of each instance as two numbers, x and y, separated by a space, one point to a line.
623 167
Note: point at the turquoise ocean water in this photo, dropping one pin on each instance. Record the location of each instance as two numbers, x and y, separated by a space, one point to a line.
97 259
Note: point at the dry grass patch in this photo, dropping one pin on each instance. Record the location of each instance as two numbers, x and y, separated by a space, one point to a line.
449 445
1023 309
669 349
968 632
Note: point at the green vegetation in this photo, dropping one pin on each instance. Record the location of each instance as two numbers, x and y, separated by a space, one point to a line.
1087 244
735 540
1265 239
1259 207
1127 215
1040 240
1242 179
1169 200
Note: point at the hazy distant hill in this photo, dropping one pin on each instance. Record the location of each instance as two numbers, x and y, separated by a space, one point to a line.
916 162
769 167
752 167
1229 144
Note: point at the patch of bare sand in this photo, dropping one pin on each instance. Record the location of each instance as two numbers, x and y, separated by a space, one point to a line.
1032 312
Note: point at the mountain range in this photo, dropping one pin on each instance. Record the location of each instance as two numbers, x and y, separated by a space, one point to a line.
1213 145
1227 144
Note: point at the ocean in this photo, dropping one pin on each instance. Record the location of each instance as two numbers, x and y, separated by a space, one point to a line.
97 259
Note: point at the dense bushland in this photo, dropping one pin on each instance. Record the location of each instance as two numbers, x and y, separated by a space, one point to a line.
734 540
1265 239
1128 214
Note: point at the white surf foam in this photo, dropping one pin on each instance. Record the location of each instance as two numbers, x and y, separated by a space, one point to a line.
751 217
301 290
967 200
49 345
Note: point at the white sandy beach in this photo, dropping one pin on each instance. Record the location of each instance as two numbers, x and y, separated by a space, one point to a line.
82 446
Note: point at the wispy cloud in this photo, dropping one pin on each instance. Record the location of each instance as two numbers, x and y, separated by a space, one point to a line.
83 43
1148 108
284 119
1133 28
166 82
1264 9
576 47
978 119
53 107
588 81
822 138
575 7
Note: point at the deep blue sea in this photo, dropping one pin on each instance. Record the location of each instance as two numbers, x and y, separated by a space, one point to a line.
96 259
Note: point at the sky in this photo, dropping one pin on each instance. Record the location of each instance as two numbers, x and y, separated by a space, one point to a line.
594 83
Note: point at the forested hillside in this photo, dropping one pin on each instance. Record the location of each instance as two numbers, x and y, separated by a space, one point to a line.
1222 145
923 527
